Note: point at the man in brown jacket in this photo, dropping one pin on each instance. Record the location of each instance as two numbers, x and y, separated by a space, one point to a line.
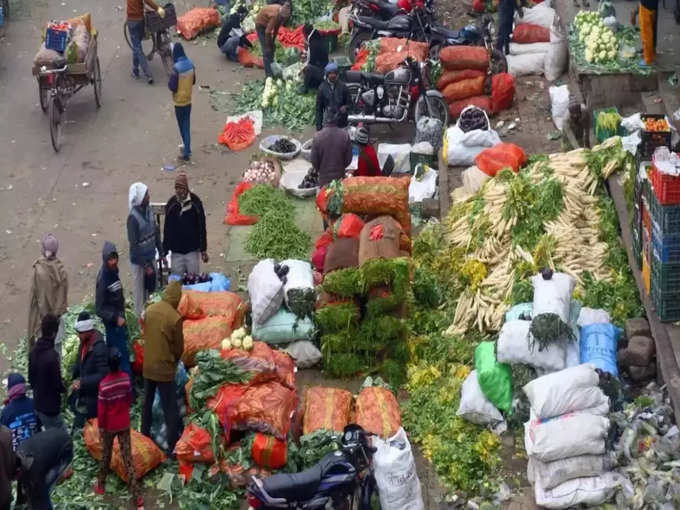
267 22
163 347
135 25
49 291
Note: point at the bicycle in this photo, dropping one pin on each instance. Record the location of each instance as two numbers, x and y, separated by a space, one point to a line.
156 31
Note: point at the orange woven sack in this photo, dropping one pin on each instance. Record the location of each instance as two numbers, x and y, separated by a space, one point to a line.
464 57
269 452
197 20
377 411
502 91
463 89
285 368
516 150
224 402
195 445
222 303
146 455
493 160
326 408
247 59
189 307
528 33
454 76
266 408
483 102
348 225
202 334
233 216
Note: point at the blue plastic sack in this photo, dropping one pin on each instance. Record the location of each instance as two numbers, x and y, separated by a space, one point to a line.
219 283
521 311
159 432
599 343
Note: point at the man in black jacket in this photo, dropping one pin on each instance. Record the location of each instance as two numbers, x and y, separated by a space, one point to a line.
184 232
110 305
91 366
332 95
317 58
44 375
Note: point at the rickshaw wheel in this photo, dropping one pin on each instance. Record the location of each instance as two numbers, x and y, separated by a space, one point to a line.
97 82
56 125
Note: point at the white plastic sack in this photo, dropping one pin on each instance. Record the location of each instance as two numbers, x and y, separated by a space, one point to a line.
592 490
573 357
565 436
464 147
522 65
474 179
474 406
254 115
559 105
513 348
304 352
557 59
566 391
630 143
400 152
592 316
265 290
395 473
419 190
552 474
523 49
542 15
553 295
300 276
632 123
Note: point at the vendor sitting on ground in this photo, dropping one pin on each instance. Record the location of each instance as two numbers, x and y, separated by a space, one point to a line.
368 165
331 150
231 36
317 58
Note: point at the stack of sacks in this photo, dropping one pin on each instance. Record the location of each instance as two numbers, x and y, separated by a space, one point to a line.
530 41
389 54
348 226
565 439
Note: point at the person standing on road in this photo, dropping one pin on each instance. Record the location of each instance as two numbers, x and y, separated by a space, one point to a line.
49 291
648 12
506 14
135 23
92 364
267 23
19 412
181 84
113 419
184 232
332 95
110 305
44 375
144 237
163 347
331 150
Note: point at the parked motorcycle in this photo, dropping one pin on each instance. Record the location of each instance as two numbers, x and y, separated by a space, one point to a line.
342 480
380 9
398 96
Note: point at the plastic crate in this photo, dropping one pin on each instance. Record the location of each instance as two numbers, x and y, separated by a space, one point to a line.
646 244
666 187
667 305
666 217
665 277
637 248
646 274
56 39
602 134
666 247
645 217
154 23
650 140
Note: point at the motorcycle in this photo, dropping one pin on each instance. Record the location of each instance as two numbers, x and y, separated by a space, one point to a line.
393 97
381 9
342 480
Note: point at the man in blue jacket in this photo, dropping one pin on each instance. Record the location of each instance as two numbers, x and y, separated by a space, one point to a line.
18 415
181 84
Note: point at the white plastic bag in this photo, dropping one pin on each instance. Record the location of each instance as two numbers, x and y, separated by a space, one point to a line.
632 123
395 473
523 49
474 179
400 152
573 357
522 65
566 391
559 105
513 348
553 295
590 491
464 147
474 406
300 276
542 15
552 474
265 290
304 352
557 59
630 143
565 436
419 190
592 316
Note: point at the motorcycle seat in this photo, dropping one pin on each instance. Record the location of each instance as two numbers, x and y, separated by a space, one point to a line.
388 7
376 23
360 77
446 33
294 487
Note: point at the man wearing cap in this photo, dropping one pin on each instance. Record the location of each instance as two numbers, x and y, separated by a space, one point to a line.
91 365
332 95
267 22
184 232
49 291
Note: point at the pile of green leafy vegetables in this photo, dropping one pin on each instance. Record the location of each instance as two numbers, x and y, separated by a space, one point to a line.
275 235
293 110
262 198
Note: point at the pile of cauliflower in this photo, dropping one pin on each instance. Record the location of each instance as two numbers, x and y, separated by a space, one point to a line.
600 41
239 339
270 93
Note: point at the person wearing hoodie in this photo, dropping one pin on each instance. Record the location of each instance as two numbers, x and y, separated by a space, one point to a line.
44 375
91 365
181 84
19 412
145 239
49 291
163 347
110 304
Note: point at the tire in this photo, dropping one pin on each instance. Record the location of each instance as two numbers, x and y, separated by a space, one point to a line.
499 64
97 82
440 110
149 54
43 95
358 38
56 122
163 48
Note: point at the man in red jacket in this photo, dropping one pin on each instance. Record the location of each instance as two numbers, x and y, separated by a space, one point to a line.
113 417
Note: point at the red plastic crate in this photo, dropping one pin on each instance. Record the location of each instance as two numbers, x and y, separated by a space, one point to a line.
666 187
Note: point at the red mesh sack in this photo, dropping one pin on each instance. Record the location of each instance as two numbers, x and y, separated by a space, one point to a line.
377 411
197 20
326 409
291 37
259 359
233 217
516 150
266 408
269 452
527 33
138 364
464 57
483 102
454 76
349 225
247 59
204 334
504 155
324 240
360 60
224 404
215 304
285 368
195 445
502 91
319 258
463 89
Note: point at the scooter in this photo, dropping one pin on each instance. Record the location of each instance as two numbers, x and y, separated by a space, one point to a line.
342 480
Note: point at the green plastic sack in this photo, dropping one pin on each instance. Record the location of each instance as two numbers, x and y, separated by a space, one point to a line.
283 327
72 53
494 378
